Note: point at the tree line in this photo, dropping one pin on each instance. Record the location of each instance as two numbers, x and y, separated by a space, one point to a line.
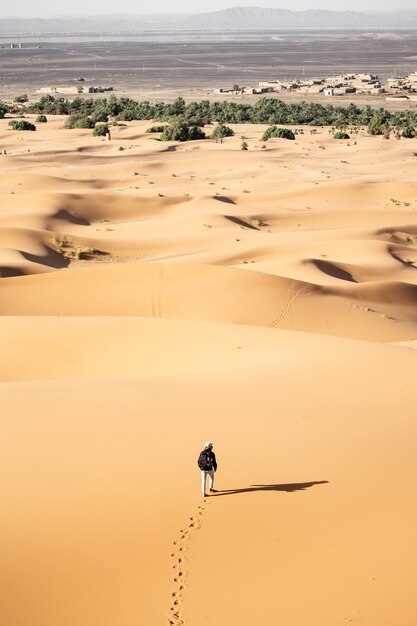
86 112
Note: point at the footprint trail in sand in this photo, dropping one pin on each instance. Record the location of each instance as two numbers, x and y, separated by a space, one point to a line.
175 617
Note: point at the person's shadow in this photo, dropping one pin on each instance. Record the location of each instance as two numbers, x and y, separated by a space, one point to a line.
290 488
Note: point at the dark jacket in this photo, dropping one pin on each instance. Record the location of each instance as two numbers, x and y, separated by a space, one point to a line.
207 461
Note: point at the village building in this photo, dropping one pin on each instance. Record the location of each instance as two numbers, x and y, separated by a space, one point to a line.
338 85
403 83
73 90
256 90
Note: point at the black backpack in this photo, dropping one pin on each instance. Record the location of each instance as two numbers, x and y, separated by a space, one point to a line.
205 461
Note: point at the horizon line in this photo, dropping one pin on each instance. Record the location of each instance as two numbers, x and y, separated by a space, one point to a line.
188 13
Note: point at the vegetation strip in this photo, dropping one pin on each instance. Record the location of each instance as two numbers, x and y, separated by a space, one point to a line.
85 113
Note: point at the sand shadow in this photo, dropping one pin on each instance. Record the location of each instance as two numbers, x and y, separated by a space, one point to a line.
402 261
289 488
10 272
50 259
168 149
224 199
333 270
240 222
63 214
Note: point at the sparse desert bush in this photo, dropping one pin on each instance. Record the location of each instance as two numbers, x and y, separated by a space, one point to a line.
409 132
100 116
194 133
22 125
70 252
41 119
341 135
274 131
156 129
79 121
377 125
221 131
3 110
180 131
101 130
21 99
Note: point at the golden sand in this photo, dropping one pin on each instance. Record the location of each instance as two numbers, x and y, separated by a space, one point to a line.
161 295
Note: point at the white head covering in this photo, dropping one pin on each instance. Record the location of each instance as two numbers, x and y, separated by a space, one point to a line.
208 444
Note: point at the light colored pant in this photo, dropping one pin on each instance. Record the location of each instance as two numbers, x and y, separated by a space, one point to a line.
204 475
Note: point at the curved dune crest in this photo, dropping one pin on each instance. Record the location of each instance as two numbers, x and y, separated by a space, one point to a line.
219 294
152 290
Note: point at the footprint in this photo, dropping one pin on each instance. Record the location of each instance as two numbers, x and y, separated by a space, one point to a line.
175 618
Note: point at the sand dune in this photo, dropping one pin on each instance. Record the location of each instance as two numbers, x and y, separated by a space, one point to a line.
97 531
211 293
155 297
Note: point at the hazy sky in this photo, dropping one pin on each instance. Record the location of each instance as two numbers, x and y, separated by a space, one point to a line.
49 8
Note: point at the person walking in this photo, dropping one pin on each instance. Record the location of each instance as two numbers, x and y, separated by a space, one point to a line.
208 465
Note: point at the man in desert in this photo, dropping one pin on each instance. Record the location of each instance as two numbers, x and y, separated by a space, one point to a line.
208 465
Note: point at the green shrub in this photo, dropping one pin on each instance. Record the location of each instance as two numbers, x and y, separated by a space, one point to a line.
156 129
222 131
376 126
41 119
79 121
100 116
177 132
194 132
21 99
409 132
341 135
180 131
3 110
101 130
22 125
274 131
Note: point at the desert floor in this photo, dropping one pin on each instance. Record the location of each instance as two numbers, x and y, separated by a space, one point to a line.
154 296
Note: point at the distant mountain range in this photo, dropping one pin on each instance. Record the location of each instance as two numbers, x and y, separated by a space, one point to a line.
239 18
